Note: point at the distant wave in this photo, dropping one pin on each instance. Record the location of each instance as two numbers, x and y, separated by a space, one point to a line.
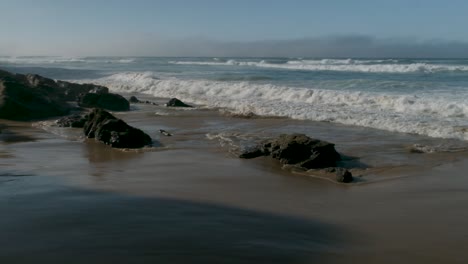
62 60
424 115
348 65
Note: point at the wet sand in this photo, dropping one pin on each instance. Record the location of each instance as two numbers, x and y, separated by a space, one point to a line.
190 200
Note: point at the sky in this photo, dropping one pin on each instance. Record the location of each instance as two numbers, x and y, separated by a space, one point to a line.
320 28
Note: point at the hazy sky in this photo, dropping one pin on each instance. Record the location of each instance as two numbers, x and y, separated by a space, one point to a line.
346 28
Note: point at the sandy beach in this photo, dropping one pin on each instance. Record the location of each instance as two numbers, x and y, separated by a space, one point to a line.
191 200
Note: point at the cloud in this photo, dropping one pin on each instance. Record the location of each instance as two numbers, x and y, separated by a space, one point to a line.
331 46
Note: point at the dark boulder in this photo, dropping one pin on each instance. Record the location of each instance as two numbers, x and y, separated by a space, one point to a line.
20 101
71 121
46 85
133 100
297 149
343 175
174 102
63 90
109 101
106 128
73 91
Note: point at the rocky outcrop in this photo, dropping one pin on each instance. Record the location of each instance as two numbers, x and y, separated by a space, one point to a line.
109 101
174 102
21 101
31 96
106 128
300 152
63 90
73 91
71 121
297 149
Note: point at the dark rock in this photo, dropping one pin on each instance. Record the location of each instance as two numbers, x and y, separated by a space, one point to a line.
174 102
106 128
20 101
73 91
66 91
31 96
60 89
297 149
252 153
133 100
71 121
109 101
5 74
343 175
46 85
164 132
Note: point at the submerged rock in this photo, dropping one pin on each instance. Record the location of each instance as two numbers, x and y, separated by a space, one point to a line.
297 149
77 121
133 100
343 175
109 101
106 128
165 133
174 102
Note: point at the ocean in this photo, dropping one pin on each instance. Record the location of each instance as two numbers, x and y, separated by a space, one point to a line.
427 97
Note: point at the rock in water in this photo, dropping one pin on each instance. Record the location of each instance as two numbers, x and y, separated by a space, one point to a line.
133 100
343 175
174 102
164 132
72 121
106 128
109 101
297 149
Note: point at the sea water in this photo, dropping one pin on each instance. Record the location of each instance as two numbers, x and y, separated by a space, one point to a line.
427 97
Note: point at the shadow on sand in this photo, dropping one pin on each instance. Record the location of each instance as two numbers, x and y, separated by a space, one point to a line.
80 226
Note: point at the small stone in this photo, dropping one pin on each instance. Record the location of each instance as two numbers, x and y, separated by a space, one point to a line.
133 100
174 102
343 175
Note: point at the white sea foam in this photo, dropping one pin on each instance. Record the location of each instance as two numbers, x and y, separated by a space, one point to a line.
348 65
435 116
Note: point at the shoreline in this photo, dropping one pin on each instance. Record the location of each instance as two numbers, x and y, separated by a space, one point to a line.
356 154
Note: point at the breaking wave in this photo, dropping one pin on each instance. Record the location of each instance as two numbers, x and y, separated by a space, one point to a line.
341 65
434 116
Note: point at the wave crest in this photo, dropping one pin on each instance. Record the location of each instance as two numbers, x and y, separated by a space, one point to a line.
425 115
347 65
